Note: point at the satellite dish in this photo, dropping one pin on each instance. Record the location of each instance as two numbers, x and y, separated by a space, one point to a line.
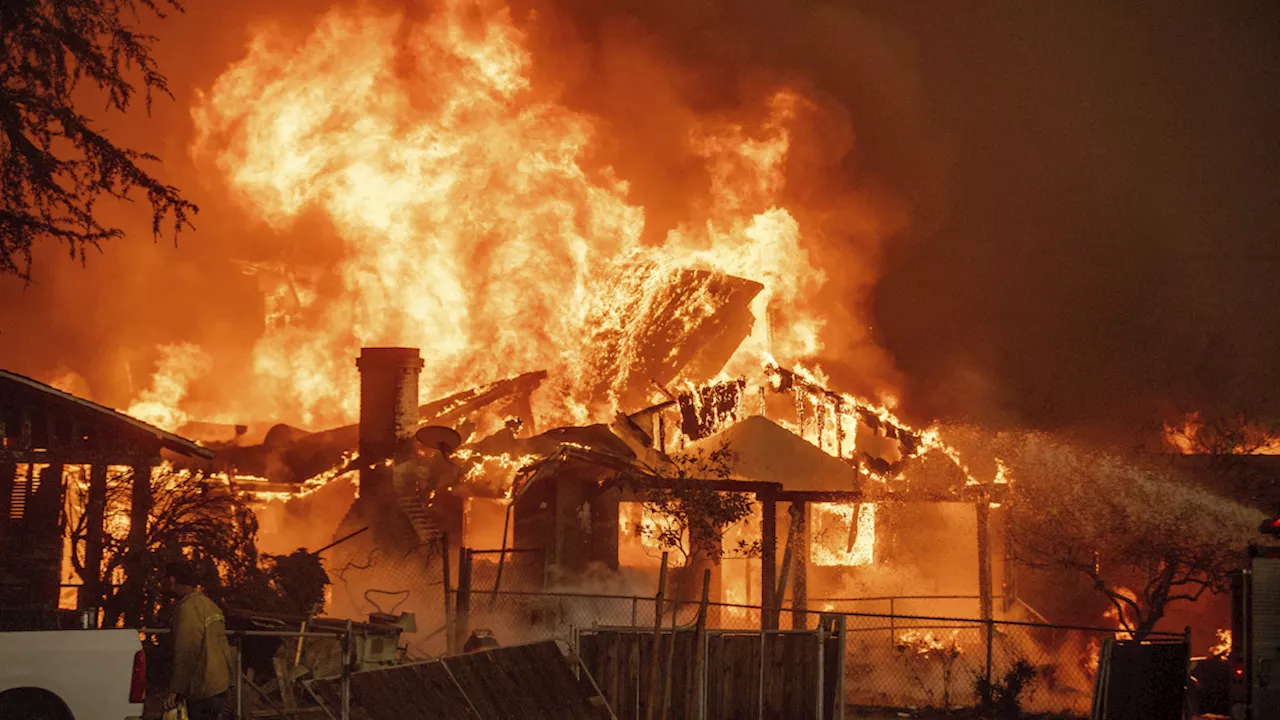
439 437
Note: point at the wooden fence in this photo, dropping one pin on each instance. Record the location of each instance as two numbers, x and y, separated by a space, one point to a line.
776 674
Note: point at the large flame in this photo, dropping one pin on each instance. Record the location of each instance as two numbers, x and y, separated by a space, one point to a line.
161 403
473 223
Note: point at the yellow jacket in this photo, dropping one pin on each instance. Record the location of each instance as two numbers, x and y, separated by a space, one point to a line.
202 660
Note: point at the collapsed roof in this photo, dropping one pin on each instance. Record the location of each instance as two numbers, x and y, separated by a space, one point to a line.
670 324
673 323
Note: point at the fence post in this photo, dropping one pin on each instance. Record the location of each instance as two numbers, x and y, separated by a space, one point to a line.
760 705
346 673
819 706
669 677
893 632
1186 692
842 626
635 612
445 580
655 664
462 600
991 627
695 697
240 678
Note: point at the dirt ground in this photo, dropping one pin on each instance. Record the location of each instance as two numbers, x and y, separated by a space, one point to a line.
929 714
969 714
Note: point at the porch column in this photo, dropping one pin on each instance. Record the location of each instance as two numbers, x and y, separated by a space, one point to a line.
983 513
8 472
768 561
800 558
136 566
1009 586
43 533
95 521
140 508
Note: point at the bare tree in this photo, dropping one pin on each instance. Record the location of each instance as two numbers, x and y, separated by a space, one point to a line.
55 165
691 519
192 517
1224 433
1143 537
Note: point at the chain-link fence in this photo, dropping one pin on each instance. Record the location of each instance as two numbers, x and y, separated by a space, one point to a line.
945 663
273 669
892 660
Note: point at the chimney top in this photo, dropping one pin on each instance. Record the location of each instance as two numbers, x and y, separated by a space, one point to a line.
388 357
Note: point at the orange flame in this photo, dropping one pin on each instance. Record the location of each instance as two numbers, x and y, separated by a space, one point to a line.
161 403
472 222
1222 648
843 533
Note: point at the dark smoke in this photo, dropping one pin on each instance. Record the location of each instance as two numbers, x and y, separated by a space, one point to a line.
1091 190
869 167
1110 252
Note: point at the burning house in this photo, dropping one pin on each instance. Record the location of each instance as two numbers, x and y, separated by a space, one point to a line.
585 323
854 487
619 301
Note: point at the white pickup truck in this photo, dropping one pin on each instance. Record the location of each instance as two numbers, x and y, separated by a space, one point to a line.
71 675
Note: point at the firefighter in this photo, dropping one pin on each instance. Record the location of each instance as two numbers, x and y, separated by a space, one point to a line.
202 660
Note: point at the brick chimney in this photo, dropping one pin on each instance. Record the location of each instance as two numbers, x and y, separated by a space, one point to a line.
388 409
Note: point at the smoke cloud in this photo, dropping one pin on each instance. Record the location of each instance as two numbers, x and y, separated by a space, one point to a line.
1106 254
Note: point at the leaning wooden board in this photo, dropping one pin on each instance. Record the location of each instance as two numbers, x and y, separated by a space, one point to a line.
534 681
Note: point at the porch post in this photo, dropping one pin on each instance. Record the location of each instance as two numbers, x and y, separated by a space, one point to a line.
768 561
95 522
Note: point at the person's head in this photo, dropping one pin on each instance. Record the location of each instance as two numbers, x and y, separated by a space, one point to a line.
180 577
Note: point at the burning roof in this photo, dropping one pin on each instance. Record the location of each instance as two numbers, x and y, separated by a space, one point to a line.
288 455
17 390
668 323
